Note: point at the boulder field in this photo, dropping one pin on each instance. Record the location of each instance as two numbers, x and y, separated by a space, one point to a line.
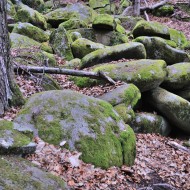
151 60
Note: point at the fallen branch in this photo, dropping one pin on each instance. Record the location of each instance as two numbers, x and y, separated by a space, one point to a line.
157 5
178 146
51 70
146 16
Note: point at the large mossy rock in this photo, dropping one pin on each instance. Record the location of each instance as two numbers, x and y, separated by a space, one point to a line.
178 37
31 31
104 22
105 37
87 124
21 41
76 10
19 174
165 10
27 14
73 23
10 8
145 74
131 50
178 76
13 141
171 106
150 123
123 98
35 4
101 6
82 47
60 42
128 94
144 28
157 48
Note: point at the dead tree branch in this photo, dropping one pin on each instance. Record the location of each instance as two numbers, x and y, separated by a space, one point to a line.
51 70
157 5
178 146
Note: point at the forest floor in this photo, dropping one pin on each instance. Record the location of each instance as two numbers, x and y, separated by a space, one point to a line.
157 161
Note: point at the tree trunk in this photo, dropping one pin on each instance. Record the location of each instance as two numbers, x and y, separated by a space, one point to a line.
136 7
9 92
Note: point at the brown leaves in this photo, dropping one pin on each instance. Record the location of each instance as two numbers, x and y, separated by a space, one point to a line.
156 162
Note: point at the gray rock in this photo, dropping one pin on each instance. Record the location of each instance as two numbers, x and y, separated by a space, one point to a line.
31 31
13 141
82 47
60 42
150 123
128 94
171 106
76 10
146 74
87 124
157 48
131 50
18 173
178 76
144 28
27 14
108 38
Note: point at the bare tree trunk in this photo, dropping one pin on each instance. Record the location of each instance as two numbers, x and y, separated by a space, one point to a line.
136 7
8 89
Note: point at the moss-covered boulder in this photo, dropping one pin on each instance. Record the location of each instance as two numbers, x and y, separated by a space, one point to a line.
27 14
178 37
82 47
129 22
178 76
87 124
18 173
145 74
73 23
150 123
105 37
10 8
128 94
71 11
157 48
171 106
31 31
20 41
123 98
131 50
60 42
126 112
13 141
104 21
73 64
101 6
35 4
165 10
144 28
